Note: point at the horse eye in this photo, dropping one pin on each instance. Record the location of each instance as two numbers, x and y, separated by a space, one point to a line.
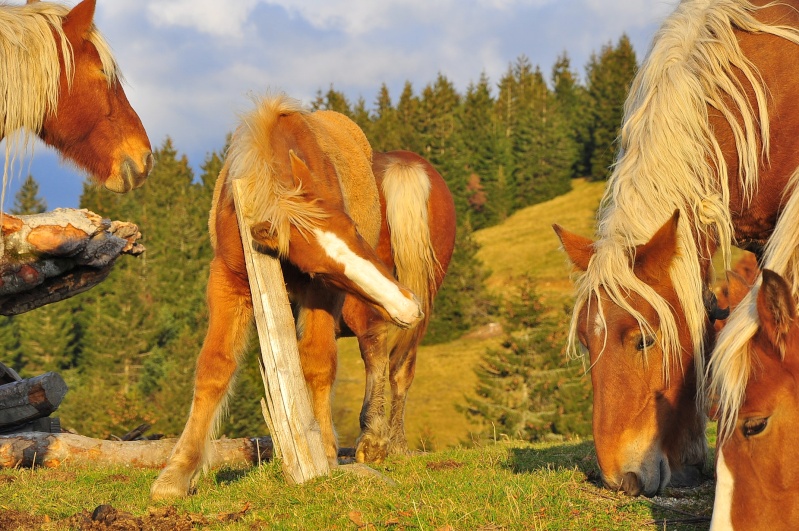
644 342
754 427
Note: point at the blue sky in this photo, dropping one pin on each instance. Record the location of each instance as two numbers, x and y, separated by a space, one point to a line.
190 65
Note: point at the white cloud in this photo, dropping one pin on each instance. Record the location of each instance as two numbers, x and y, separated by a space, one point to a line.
214 17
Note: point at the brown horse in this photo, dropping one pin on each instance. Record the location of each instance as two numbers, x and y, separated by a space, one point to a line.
344 224
59 81
753 377
697 138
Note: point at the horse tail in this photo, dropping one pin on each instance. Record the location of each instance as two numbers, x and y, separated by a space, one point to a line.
406 188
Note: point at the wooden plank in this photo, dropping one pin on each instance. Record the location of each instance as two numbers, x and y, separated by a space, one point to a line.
30 399
290 417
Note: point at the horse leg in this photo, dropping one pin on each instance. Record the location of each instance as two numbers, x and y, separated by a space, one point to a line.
316 341
372 444
402 369
230 309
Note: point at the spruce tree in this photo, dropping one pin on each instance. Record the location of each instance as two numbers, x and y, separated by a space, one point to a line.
27 199
527 389
609 77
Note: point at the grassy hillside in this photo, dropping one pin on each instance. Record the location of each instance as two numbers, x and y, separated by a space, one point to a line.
524 243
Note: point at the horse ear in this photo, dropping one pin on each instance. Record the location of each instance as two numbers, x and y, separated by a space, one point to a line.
299 170
578 248
776 308
653 259
80 19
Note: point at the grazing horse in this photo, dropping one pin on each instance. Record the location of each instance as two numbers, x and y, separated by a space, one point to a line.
343 225
708 138
60 82
753 372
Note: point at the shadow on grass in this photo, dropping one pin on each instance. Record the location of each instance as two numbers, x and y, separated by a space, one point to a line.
581 455
675 509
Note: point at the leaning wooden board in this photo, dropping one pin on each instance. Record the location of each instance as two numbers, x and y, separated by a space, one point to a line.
294 430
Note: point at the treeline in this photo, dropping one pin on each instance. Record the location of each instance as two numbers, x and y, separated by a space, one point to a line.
127 348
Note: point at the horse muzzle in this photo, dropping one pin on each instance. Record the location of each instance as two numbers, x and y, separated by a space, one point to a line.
131 174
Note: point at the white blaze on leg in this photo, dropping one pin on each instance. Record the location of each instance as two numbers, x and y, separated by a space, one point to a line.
403 310
722 505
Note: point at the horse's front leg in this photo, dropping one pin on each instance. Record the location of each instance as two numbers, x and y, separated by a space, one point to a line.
230 309
316 340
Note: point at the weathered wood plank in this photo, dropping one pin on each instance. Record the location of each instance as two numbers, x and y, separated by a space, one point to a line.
31 399
291 422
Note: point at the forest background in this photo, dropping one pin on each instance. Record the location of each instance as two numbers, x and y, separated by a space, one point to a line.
127 348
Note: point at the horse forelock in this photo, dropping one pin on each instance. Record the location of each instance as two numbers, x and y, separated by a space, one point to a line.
30 38
732 358
251 158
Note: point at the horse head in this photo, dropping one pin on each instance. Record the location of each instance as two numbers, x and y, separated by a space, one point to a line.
756 485
92 123
647 427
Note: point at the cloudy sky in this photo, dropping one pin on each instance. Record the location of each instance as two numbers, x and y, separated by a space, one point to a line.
189 65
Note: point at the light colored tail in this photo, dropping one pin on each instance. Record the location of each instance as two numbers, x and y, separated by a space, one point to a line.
406 188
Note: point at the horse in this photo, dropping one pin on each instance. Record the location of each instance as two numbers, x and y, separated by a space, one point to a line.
59 81
753 371
701 166
352 229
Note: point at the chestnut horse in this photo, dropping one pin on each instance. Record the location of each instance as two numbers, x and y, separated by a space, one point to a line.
697 140
753 373
343 223
60 82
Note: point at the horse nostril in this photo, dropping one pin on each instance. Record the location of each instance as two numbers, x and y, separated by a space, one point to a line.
631 484
149 162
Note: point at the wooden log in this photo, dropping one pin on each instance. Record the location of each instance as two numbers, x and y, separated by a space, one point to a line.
55 449
30 399
290 417
8 375
45 258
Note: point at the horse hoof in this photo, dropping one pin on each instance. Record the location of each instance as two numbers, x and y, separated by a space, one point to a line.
371 449
170 485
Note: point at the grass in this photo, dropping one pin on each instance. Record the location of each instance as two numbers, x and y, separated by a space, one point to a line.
504 485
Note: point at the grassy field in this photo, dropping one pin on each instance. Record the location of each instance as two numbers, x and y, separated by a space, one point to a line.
499 486
456 485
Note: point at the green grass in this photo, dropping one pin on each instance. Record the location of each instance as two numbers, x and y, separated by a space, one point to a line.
505 485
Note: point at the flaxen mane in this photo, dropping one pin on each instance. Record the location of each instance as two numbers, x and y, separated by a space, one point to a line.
731 362
30 71
666 143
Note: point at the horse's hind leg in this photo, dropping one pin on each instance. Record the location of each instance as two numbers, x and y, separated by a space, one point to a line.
372 444
230 309
402 368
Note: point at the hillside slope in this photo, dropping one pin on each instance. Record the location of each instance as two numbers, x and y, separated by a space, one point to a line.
524 243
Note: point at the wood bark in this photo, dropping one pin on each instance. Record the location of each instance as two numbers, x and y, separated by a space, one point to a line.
55 449
45 258
30 399
288 414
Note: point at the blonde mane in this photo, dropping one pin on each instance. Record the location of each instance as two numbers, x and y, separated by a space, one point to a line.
670 159
731 361
251 158
30 38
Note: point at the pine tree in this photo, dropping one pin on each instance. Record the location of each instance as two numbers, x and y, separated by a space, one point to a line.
609 77
27 200
526 390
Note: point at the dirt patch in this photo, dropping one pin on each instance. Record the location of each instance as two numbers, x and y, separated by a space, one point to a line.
10 519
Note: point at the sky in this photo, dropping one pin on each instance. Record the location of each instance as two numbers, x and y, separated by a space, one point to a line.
191 66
